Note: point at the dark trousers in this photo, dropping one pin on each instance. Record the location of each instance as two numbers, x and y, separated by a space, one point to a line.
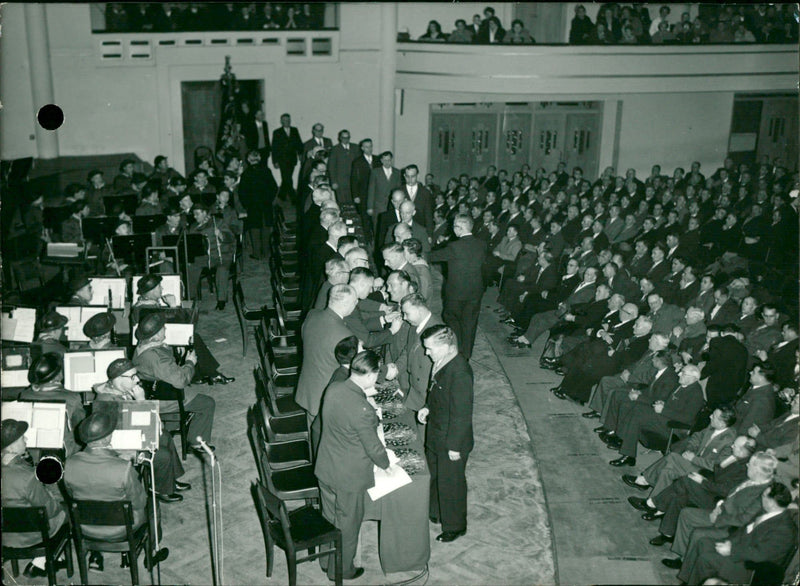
448 489
345 510
523 312
462 316
207 365
641 418
286 188
166 465
702 562
259 241
203 408
680 494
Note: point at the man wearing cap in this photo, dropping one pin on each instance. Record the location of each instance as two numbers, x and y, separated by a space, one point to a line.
46 376
100 330
155 361
122 182
123 385
21 488
81 288
51 330
99 473
151 295
220 242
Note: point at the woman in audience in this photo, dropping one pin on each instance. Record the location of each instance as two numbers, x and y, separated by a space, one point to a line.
518 34
434 33
581 32
461 34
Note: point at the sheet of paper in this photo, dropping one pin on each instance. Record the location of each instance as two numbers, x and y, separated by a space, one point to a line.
46 418
387 481
14 361
103 358
179 334
19 410
100 290
140 418
20 327
49 438
126 439
13 379
84 381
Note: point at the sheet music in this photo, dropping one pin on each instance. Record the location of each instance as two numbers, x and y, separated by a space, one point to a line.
83 370
140 418
13 361
19 328
13 379
101 287
179 334
170 285
46 422
126 439
78 316
19 410
45 418
49 438
104 358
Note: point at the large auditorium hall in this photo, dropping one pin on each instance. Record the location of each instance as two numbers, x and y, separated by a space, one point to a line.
399 293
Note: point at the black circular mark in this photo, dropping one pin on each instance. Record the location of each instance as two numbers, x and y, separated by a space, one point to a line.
50 117
49 470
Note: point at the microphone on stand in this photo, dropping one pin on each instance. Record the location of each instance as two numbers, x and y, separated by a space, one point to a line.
205 447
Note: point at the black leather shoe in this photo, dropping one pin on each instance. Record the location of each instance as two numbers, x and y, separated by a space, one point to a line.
509 321
640 504
630 480
434 520
623 461
511 339
614 443
32 571
221 379
356 575
591 415
170 498
449 536
652 516
181 486
557 392
157 557
221 305
560 371
96 563
673 563
601 430
519 344
661 539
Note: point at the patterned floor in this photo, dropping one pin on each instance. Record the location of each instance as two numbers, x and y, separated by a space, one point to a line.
509 538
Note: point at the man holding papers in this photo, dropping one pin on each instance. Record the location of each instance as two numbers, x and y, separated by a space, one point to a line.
348 450
123 385
448 441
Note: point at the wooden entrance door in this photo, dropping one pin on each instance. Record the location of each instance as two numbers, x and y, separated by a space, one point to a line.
481 143
514 144
582 147
444 162
547 149
777 135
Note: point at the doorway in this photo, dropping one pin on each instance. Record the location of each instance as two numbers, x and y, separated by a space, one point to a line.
201 103
764 129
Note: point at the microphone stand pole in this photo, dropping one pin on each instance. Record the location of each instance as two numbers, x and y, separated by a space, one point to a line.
182 236
216 538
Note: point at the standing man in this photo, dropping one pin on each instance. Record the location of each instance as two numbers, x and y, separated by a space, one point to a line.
419 194
317 140
382 181
340 163
463 287
286 151
348 450
413 366
256 133
257 191
360 174
449 440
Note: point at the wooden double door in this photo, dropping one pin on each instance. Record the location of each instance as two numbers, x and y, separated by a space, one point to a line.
468 142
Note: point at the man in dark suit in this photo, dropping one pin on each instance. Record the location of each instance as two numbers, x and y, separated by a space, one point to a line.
286 151
413 366
448 438
348 450
463 287
724 311
782 355
382 181
419 194
388 219
318 255
359 175
725 368
317 140
770 538
257 191
757 404
340 164
682 405
321 331
256 133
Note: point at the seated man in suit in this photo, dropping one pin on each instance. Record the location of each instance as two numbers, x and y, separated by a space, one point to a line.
46 375
221 244
99 473
21 488
349 449
72 227
155 361
701 450
683 405
123 385
769 538
51 331
665 317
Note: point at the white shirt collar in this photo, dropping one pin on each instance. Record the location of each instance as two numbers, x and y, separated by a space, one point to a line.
423 323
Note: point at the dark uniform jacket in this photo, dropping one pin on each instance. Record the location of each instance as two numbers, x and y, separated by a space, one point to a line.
464 258
450 398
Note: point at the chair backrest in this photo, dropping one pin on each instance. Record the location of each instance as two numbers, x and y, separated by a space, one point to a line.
25 520
288 451
102 513
163 391
273 511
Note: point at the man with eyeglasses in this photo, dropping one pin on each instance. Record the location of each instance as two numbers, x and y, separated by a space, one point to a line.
340 163
317 140
123 384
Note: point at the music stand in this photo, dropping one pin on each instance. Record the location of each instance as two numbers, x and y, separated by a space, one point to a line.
132 249
114 204
148 224
190 246
99 228
52 218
